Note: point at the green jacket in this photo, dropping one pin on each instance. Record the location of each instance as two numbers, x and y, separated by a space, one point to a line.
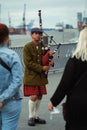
33 74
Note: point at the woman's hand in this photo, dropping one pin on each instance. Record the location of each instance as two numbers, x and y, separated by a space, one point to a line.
1 104
50 106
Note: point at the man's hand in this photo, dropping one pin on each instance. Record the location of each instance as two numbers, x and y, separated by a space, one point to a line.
1 104
46 68
51 63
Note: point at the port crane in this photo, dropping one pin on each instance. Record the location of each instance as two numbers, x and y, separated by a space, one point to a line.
24 19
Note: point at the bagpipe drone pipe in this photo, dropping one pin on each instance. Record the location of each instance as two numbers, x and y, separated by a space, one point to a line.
46 42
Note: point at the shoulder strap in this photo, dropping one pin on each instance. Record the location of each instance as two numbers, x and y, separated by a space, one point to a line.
79 82
5 65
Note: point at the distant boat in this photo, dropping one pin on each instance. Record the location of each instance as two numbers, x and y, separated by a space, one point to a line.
59 27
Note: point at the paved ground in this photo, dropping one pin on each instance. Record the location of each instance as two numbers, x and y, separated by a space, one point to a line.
57 122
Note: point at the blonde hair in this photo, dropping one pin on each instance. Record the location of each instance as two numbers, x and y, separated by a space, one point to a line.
81 49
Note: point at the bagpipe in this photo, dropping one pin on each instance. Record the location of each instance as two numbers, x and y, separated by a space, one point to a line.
47 54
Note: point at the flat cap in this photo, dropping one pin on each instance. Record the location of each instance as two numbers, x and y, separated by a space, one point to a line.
36 30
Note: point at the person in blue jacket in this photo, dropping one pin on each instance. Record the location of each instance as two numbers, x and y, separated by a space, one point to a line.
10 83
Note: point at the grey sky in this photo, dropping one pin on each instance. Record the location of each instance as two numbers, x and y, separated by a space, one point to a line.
53 11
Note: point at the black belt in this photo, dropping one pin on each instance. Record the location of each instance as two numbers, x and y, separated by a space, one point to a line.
12 98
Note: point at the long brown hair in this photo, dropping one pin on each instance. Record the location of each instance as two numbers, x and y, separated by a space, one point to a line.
4 32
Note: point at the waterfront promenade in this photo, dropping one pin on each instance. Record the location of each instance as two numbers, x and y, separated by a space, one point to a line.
57 123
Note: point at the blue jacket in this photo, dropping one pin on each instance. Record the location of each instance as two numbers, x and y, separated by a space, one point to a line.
10 83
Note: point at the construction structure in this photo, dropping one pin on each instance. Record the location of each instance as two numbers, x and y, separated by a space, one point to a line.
24 20
21 29
79 20
82 17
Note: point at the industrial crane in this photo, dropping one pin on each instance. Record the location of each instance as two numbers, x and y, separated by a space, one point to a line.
24 20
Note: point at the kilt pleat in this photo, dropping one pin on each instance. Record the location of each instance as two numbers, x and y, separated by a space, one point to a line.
34 90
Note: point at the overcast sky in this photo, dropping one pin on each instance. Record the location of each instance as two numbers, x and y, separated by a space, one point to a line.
53 11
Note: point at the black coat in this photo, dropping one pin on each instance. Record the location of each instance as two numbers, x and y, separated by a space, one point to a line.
77 100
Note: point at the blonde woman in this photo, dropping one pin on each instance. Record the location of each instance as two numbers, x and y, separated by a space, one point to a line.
77 99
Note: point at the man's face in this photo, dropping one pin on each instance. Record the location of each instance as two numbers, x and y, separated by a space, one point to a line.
36 36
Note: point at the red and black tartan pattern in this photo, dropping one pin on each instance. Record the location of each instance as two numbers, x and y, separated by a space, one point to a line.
34 90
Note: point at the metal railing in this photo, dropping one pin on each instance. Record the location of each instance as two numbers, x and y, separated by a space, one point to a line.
60 57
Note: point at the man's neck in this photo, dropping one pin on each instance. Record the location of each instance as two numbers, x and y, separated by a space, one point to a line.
35 42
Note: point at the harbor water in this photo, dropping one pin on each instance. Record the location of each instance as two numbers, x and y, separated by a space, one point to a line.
68 40
67 36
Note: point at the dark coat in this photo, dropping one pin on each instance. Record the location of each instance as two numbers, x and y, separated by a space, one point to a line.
77 100
33 74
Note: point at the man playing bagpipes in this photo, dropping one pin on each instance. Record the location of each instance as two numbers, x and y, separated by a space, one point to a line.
35 77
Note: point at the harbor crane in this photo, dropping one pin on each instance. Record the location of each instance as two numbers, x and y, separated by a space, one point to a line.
9 20
24 20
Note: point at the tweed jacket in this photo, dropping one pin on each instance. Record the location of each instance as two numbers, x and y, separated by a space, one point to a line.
33 74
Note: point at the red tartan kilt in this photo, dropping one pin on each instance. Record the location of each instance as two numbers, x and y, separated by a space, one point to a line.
34 90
